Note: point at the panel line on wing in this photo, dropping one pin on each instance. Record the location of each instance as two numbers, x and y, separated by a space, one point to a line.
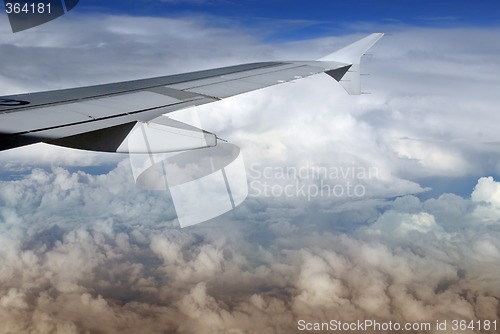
232 77
224 87
52 98
171 92
89 121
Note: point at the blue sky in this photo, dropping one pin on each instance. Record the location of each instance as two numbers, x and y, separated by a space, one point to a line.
315 18
404 11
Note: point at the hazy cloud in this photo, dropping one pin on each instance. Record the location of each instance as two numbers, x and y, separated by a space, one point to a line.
111 271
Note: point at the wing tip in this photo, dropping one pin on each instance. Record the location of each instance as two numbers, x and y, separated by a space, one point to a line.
351 54
349 75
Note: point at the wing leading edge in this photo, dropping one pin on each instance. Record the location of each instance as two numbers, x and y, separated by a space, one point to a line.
107 117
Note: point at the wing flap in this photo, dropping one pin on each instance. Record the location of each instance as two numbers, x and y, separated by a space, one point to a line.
103 140
163 135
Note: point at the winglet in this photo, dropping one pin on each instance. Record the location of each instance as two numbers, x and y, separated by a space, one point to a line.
349 76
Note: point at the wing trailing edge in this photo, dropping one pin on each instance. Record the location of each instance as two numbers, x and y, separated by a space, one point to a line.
161 135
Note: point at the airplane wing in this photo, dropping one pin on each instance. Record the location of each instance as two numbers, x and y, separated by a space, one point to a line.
118 117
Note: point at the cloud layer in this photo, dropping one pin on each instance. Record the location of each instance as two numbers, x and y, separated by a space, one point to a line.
81 252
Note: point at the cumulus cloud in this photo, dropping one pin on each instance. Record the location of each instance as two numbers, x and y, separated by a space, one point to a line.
119 267
487 195
111 264
85 250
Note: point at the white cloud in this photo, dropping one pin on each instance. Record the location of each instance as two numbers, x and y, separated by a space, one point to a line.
402 224
114 271
487 196
488 191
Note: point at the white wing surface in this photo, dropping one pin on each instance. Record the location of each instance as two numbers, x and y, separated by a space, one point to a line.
106 117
